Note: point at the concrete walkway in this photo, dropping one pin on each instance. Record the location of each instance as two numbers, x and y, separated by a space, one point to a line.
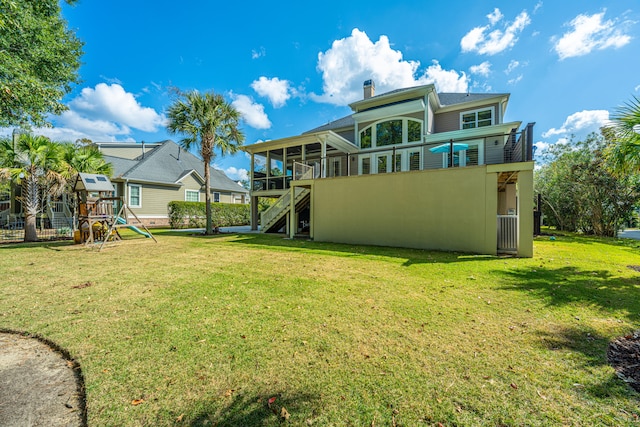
235 229
630 233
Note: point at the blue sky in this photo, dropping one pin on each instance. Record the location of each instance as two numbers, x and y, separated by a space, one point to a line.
288 67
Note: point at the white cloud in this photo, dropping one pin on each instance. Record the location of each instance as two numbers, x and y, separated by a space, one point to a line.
495 16
637 88
352 60
482 69
106 113
253 113
486 42
278 91
445 80
514 80
513 64
113 103
582 121
588 33
255 54
237 174
537 7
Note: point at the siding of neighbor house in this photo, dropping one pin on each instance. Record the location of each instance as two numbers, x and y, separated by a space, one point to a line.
126 152
419 209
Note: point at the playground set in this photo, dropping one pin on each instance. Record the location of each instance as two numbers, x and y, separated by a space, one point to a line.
100 214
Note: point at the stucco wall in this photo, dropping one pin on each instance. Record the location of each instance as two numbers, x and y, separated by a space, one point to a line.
445 209
410 209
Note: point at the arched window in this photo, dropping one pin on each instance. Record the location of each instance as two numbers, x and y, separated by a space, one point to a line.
394 131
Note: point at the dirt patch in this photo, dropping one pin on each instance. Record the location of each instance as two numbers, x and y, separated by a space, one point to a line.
40 384
624 355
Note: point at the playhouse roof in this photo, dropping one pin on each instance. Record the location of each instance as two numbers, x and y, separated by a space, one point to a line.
93 182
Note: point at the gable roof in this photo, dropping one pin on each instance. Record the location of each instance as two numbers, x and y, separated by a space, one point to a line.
92 182
445 99
168 164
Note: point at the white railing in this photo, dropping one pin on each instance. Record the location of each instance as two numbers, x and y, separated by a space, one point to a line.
279 207
508 233
303 171
59 215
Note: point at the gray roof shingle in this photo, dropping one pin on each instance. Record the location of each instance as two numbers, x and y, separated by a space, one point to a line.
167 164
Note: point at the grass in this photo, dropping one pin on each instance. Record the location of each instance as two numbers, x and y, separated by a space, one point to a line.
205 330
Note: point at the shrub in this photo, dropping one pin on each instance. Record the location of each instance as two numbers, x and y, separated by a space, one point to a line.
193 214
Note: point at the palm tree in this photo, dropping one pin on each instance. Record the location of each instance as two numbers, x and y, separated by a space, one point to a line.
624 153
35 163
83 158
209 122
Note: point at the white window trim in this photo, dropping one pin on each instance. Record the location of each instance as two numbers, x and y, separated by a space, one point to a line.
186 199
476 111
405 131
131 205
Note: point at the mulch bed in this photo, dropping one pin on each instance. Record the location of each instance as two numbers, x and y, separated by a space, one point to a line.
624 355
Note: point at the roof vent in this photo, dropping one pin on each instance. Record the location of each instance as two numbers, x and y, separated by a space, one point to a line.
369 89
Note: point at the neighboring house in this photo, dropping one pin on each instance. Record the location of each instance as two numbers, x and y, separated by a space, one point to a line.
409 168
150 175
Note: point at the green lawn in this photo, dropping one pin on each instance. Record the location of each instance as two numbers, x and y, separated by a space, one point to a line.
206 330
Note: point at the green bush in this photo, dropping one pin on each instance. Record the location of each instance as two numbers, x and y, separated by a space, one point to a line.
193 214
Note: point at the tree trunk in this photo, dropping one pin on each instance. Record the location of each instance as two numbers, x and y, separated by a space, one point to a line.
207 196
30 202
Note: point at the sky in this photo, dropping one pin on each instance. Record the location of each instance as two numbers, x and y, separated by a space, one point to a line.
289 67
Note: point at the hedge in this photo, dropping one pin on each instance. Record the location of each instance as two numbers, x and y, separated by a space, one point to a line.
193 214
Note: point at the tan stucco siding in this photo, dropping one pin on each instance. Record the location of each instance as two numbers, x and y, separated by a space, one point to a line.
449 121
410 209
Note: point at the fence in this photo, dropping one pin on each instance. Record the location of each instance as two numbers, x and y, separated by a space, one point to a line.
507 233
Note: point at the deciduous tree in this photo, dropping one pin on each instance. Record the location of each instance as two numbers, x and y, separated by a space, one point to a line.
39 60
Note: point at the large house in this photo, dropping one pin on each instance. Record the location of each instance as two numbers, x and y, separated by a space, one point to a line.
409 168
150 175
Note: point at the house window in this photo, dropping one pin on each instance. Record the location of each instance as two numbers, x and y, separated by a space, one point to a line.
365 138
414 131
391 132
414 161
476 118
135 196
472 156
398 161
216 197
335 166
191 196
365 166
383 163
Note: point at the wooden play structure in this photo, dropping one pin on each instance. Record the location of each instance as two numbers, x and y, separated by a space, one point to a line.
100 214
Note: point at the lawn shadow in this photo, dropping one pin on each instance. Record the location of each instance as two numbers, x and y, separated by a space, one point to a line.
409 255
243 409
47 244
585 340
567 285
567 237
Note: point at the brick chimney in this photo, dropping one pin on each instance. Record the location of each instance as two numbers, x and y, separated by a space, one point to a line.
369 89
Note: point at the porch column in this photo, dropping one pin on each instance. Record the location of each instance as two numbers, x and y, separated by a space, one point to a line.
323 158
525 213
254 213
